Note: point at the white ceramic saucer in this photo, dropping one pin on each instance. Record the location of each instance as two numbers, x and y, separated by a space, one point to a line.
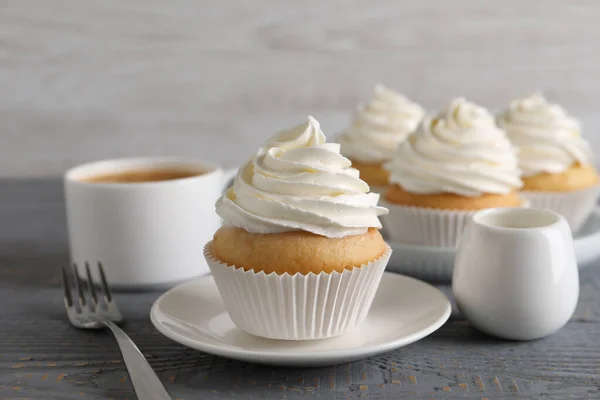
404 311
436 264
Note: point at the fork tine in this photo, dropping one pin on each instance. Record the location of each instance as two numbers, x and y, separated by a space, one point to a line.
105 288
91 286
79 286
111 307
66 288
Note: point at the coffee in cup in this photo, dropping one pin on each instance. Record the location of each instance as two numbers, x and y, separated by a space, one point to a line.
144 175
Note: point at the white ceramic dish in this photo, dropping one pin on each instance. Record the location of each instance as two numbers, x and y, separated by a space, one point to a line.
404 311
435 264
515 274
146 234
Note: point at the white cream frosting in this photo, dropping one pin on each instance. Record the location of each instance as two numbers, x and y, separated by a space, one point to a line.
548 138
379 126
297 181
460 151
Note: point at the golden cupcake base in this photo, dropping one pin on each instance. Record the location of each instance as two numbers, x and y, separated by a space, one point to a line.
577 177
373 174
295 252
449 201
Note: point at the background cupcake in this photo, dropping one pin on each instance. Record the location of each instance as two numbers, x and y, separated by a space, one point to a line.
554 157
300 255
378 127
454 164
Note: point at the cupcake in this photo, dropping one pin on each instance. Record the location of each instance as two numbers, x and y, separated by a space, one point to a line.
378 127
455 163
555 159
299 255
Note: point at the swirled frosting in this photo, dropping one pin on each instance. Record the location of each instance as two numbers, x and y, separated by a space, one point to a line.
460 151
379 126
548 138
297 181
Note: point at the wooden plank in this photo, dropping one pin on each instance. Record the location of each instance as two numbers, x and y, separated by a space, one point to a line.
89 80
43 357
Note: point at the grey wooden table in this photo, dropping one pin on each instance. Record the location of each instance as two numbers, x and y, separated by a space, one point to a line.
43 357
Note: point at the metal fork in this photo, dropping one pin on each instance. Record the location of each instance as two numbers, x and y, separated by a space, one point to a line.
102 312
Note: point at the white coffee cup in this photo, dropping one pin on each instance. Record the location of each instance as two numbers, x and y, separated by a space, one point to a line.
147 234
515 274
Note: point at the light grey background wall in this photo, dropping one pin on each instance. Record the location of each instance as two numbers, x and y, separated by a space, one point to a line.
83 80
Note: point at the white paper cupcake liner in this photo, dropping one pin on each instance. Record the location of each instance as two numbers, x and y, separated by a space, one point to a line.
297 307
575 206
425 226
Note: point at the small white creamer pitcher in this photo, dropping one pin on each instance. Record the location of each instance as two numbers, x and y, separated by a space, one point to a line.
515 274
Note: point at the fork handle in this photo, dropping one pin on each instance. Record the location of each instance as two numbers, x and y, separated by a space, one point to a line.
146 384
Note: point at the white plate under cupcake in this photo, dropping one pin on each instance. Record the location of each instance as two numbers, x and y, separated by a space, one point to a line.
436 263
404 310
